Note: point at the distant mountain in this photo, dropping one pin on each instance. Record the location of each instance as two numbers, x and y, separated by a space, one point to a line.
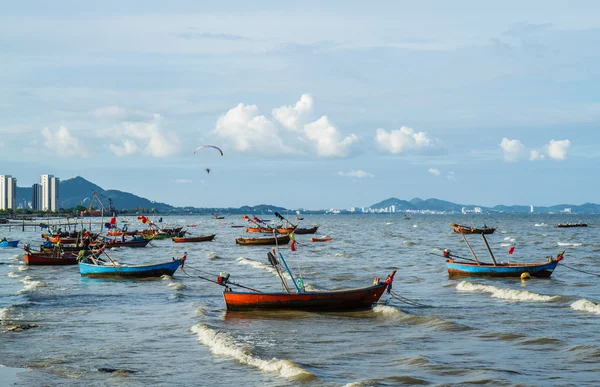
401 205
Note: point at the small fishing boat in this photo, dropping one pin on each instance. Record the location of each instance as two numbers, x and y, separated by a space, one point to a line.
50 259
95 268
280 239
297 218
215 216
164 235
289 230
565 225
461 229
6 243
121 232
407 217
461 266
142 242
206 238
297 297
324 239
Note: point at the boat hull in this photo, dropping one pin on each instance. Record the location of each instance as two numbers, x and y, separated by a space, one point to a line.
460 229
342 300
311 230
9 244
128 271
49 259
537 269
282 239
206 238
320 239
140 243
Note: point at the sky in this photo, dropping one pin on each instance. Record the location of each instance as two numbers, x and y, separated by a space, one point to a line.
317 106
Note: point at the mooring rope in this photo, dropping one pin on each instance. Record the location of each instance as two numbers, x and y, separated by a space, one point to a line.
408 301
579 270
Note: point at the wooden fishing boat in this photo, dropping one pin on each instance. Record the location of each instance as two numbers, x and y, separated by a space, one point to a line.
280 239
121 233
535 269
326 239
289 230
461 266
130 243
109 269
206 238
339 300
461 229
48 249
52 258
9 243
164 235
572 225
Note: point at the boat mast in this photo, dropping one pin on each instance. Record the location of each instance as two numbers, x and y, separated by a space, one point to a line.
470 248
488 248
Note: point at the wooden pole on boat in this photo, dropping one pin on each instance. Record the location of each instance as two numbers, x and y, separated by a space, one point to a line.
469 246
488 248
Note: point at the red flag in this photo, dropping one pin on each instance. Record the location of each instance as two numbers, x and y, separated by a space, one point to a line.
113 220
293 245
512 249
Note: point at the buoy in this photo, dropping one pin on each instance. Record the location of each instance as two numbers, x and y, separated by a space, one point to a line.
525 276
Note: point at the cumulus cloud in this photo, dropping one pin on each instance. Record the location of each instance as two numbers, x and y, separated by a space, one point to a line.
355 173
62 143
402 140
291 116
327 140
535 155
557 149
143 137
434 171
288 131
513 150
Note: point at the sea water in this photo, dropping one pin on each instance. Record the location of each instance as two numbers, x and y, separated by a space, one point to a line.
176 331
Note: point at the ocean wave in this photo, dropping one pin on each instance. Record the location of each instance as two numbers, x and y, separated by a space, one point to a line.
408 243
12 274
166 277
30 285
212 255
540 225
569 244
4 313
505 293
412 319
510 239
400 380
176 285
222 344
505 244
260 265
586 306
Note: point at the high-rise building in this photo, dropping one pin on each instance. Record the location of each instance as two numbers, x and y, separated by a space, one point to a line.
36 198
8 192
49 192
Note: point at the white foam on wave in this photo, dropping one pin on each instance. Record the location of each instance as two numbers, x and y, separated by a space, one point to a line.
212 255
222 344
388 311
586 306
12 274
166 277
505 244
504 293
4 313
176 285
569 244
540 225
30 285
260 265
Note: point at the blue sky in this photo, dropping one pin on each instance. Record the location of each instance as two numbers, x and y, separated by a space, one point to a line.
314 105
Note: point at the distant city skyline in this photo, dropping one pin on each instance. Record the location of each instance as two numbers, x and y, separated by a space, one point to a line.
318 105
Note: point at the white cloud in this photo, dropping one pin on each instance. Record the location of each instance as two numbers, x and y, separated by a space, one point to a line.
285 133
129 147
183 181
62 143
557 149
327 140
143 137
402 140
355 173
434 171
291 117
535 155
513 150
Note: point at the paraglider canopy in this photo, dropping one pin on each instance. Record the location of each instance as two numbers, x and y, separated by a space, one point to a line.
208 146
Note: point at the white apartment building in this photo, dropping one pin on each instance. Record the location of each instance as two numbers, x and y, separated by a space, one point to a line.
8 192
49 189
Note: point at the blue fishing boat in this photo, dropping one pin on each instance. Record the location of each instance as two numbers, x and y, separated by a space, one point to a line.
9 243
113 269
461 266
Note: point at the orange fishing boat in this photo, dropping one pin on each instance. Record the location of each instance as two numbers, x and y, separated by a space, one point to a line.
327 239
280 239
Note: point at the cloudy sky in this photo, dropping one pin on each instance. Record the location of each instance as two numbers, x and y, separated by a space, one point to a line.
314 105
